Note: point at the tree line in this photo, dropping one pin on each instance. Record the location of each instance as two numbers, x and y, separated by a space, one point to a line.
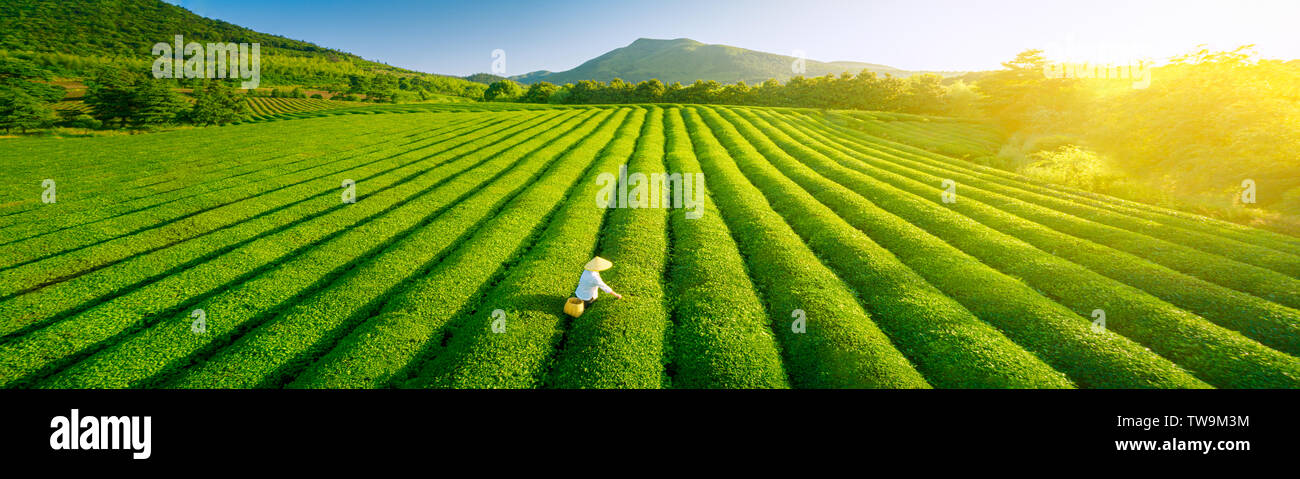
24 97
124 98
117 98
863 91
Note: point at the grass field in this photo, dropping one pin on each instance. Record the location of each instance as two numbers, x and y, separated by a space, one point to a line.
833 250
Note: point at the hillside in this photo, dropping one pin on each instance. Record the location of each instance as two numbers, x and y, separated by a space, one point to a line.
685 60
75 37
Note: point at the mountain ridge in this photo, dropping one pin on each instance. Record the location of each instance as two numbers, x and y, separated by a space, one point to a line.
685 60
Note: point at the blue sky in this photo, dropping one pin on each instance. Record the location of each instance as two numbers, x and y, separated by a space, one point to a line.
458 37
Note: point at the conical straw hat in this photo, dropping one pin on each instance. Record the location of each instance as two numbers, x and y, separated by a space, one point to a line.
598 264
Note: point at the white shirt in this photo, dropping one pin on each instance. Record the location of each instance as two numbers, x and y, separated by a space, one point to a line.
588 284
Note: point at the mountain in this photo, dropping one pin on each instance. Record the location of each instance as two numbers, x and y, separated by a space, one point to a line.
75 37
685 60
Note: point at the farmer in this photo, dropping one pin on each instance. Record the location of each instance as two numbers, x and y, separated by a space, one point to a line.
590 281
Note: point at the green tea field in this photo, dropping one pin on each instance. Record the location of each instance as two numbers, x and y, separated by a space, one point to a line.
265 108
434 246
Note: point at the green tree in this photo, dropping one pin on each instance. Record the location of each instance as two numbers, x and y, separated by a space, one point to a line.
561 96
24 98
129 99
503 90
383 88
650 91
617 91
702 92
358 84
585 92
28 77
539 92
218 104
1021 91
19 110
111 96
156 103
961 99
735 94
925 94
769 93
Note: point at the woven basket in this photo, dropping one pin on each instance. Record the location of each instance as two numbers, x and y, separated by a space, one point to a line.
574 307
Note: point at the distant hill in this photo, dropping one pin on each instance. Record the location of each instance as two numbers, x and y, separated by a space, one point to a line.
685 60
74 37
532 77
484 78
